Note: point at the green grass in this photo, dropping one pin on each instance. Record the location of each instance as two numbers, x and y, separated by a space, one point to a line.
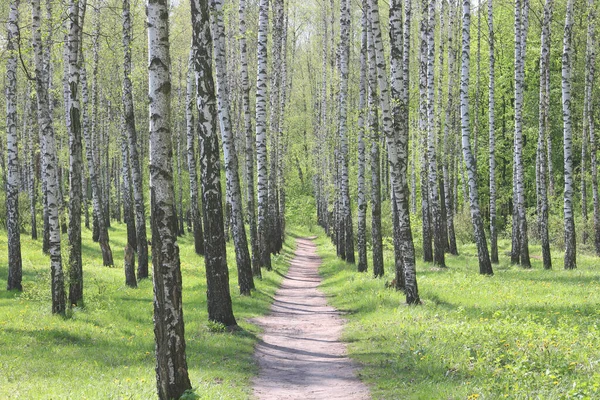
105 350
521 334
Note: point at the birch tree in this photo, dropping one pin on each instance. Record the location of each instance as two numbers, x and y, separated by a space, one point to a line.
50 173
492 134
244 267
217 275
397 158
15 267
361 232
134 159
171 366
543 132
249 149
485 266
569 219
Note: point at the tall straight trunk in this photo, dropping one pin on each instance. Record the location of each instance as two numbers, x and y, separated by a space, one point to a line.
476 125
134 159
75 154
32 188
46 68
361 232
590 69
217 275
373 121
397 141
244 266
485 266
171 366
439 135
432 175
423 127
249 150
543 132
515 237
50 166
569 219
178 125
92 148
590 81
449 132
15 264
261 136
125 172
521 25
191 159
344 55
492 135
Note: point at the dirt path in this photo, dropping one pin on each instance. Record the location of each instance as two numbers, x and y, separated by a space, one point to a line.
300 354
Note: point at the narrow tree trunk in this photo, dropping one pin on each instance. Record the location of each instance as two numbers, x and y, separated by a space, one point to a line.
50 165
244 266
171 366
261 136
191 159
361 232
373 120
249 151
217 275
134 159
485 266
492 135
521 23
128 214
129 266
543 132
33 165
397 156
15 265
569 220
75 154
590 60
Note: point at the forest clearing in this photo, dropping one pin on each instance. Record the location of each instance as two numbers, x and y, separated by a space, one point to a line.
162 158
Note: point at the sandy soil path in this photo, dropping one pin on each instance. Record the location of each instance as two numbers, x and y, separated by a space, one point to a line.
300 354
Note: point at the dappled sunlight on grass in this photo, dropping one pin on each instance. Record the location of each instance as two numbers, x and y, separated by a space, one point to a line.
105 350
519 334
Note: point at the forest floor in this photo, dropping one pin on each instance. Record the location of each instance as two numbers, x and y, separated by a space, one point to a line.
300 355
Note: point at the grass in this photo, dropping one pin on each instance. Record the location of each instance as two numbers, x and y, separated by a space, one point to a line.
105 350
521 334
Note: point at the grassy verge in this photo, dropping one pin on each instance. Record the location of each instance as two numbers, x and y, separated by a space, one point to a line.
519 334
106 349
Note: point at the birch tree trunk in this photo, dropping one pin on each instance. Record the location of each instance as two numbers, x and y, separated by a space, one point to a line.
492 134
50 166
398 158
125 172
423 128
15 264
32 166
261 136
543 132
249 150
344 55
75 154
432 184
134 159
244 266
361 232
485 266
373 120
569 219
191 159
171 366
588 120
217 275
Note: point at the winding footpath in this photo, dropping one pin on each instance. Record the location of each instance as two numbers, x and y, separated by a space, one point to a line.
300 354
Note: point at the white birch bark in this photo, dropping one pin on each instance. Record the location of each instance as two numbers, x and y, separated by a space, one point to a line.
569 219
492 134
590 61
589 84
485 266
50 172
361 232
398 159
15 264
171 366
244 267
134 159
